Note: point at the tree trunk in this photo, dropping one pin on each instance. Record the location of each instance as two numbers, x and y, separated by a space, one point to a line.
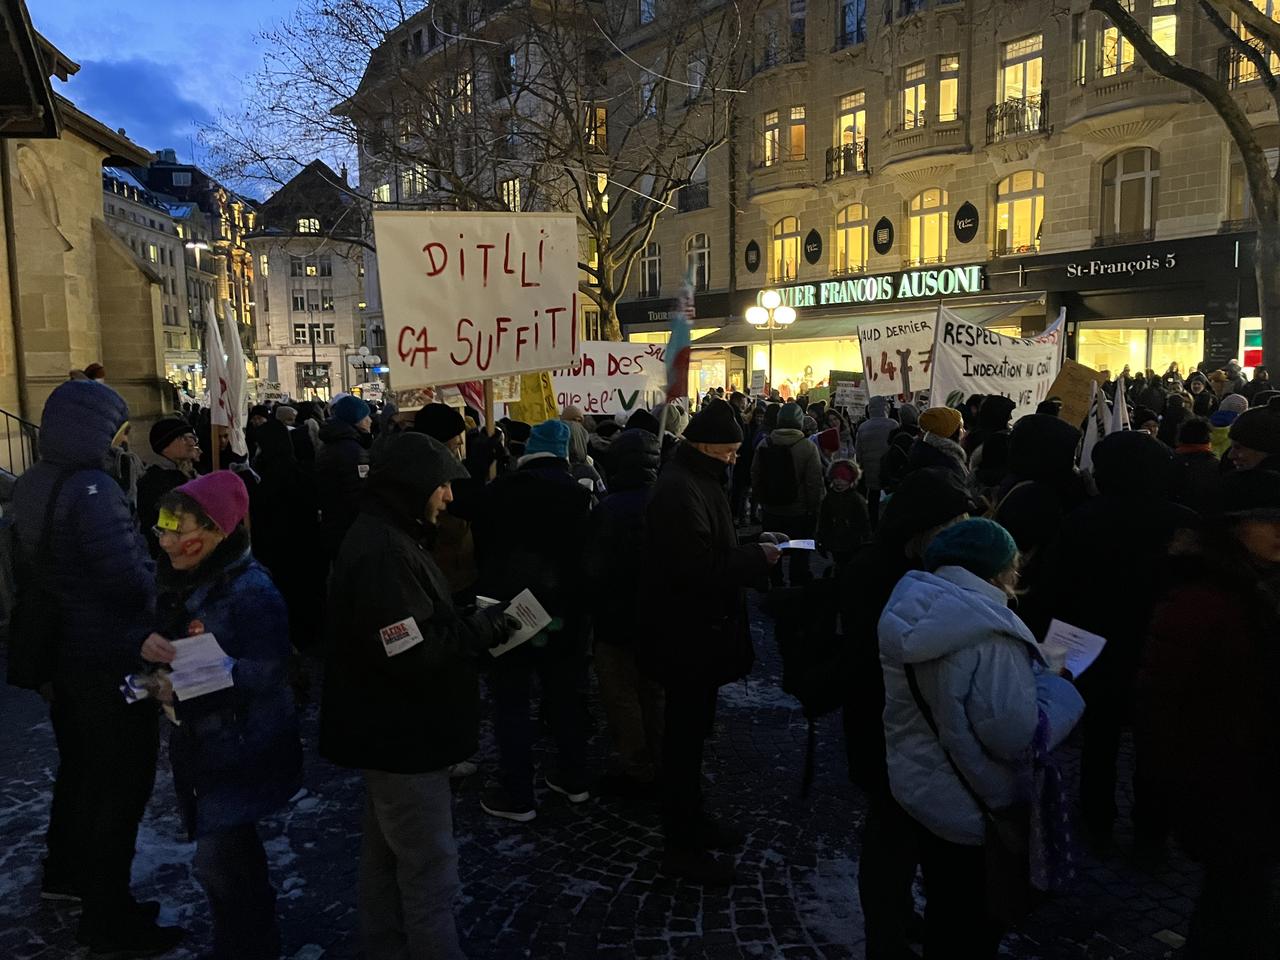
1266 256
613 326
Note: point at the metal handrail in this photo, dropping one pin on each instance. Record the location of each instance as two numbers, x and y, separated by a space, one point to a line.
25 437
846 159
1017 117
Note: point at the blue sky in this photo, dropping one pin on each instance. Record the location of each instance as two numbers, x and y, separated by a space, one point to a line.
158 70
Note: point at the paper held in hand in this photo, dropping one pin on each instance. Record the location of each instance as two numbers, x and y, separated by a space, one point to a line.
201 666
798 545
525 608
1081 646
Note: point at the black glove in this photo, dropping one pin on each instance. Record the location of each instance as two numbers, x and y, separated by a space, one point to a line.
501 625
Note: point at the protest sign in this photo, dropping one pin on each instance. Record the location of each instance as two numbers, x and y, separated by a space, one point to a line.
610 377
896 355
848 393
471 296
968 358
537 399
1072 387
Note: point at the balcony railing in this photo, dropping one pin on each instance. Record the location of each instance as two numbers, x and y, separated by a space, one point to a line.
1235 69
1007 248
693 197
1018 117
846 159
1123 239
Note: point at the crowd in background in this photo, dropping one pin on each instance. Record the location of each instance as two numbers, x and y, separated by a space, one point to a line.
388 544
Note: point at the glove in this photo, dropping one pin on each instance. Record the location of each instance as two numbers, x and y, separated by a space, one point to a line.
768 537
500 623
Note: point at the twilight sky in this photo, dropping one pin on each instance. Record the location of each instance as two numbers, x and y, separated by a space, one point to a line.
158 70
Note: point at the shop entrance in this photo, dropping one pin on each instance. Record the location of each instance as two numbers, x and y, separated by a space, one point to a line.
1145 343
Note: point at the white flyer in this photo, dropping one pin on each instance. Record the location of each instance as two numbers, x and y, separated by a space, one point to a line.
525 608
1081 646
201 666
400 636
798 545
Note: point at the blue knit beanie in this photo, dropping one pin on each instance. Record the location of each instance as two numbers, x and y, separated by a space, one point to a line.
350 409
981 546
790 417
550 436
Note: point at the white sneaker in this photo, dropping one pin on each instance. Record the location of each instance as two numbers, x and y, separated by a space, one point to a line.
575 796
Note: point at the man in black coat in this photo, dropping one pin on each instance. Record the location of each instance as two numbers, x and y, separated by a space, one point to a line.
530 529
700 635
342 464
174 441
401 698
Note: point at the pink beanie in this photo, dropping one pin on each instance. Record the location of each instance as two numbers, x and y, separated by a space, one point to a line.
222 496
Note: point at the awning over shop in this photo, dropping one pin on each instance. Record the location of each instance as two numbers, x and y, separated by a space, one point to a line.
739 333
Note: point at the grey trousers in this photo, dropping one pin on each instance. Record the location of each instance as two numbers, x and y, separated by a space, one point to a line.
409 868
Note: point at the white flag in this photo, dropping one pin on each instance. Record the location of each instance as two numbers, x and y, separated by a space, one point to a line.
215 368
237 380
1095 428
1119 409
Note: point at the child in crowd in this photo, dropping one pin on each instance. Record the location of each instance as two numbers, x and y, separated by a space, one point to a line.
843 525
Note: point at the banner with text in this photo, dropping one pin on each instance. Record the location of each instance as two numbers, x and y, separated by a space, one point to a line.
609 378
896 354
471 296
968 358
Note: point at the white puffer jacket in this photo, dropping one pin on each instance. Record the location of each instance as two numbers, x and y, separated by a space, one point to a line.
982 675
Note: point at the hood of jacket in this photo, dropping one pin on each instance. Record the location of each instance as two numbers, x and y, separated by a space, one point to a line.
877 407
332 431
635 455
409 470
81 418
931 615
786 436
1042 447
946 447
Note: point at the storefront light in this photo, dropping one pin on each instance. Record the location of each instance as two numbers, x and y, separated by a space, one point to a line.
770 299
758 316
784 315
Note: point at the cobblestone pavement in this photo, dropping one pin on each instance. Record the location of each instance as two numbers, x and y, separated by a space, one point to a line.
578 882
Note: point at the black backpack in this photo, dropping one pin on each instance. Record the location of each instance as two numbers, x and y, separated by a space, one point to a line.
32 608
778 486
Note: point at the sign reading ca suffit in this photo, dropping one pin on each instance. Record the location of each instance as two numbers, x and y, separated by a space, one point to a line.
471 296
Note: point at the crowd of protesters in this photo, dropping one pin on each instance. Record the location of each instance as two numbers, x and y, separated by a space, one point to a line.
387 545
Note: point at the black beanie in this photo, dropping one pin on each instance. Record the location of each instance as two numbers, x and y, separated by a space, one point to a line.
714 423
1196 430
166 430
1248 492
643 420
1259 428
1132 462
439 420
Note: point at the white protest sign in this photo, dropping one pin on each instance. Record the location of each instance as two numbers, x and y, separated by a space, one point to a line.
896 355
471 296
609 377
968 358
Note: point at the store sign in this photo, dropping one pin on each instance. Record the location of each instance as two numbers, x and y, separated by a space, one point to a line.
882 237
753 257
813 247
1133 267
966 222
908 285
666 316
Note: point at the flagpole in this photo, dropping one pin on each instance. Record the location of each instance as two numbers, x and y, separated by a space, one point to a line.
489 424
215 438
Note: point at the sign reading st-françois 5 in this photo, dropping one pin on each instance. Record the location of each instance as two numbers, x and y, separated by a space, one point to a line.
470 296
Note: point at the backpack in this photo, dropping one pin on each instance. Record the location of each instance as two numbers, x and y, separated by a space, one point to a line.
778 486
31 607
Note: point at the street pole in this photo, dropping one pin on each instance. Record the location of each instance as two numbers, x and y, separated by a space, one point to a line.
770 385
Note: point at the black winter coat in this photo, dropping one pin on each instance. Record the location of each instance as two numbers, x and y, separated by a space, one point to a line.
417 710
159 479
1197 473
700 626
342 464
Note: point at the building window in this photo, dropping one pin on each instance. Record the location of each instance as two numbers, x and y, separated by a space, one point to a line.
182 178
462 94
326 300
153 252
165 311
308 225
328 334
300 334
264 267
599 193
1019 212
648 98
648 11
851 240
298 302
929 227
796 135
325 265
504 74
313 299
1239 198
651 271
1115 52
510 192
597 128
1079 49
853 22
1021 69
851 133
786 250
297 266
698 256
697 73
948 88
310 268
1164 25
382 193
913 100
1129 182
770 141
592 328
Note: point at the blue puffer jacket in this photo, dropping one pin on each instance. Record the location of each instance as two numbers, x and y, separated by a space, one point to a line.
236 755
982 675
104 578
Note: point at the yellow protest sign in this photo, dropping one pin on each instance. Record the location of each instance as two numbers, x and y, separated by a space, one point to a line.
537 399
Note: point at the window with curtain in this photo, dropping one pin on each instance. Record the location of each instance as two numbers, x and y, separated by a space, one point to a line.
1129 182
851 240
929 227
785 261
1021 68
1019 212
698 259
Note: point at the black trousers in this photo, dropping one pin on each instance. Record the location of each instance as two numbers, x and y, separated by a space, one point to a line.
1103 727
956 924
886 872
107 753
232 867
689 714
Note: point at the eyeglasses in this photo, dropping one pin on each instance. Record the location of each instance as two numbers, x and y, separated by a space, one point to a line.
162 532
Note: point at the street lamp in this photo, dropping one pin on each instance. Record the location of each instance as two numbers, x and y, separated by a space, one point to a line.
769 314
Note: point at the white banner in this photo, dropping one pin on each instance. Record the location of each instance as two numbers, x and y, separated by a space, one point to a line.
471 296
609 377
895 355
968 358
